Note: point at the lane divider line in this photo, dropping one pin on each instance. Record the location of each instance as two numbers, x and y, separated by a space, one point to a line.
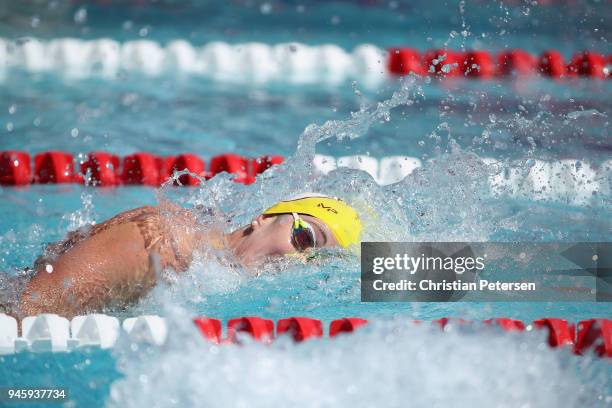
568 180
286 62
50 332
106 169
486 65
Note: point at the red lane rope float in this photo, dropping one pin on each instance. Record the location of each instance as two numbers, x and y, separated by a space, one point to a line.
209 328
185 161
588 64
260 329
102 168
106 169
54 168
506 324
515 62
232 163
551 64
591 335
485 65
442 322
346 325
300 328
560 332
596 334
479 64
141 168
447 63
15 168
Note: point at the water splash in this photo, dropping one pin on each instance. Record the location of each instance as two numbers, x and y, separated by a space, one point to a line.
392 361
83 217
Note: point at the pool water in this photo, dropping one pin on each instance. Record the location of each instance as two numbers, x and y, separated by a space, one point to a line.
451 125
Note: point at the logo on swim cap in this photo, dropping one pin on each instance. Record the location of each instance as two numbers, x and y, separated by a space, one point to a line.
327 208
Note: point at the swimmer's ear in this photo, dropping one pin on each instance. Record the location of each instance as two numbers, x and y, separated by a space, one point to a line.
256 222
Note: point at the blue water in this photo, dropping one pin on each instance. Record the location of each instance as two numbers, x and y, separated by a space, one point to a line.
493 25
538 119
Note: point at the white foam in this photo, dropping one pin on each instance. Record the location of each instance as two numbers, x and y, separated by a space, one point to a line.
399 363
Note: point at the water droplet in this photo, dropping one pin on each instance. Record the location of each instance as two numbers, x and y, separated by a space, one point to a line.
80 16
446 68
265 8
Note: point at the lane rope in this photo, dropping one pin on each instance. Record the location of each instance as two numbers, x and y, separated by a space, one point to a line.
50 332
286 62
568 180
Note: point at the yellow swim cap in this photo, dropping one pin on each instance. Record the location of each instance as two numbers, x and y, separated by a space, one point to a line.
342 219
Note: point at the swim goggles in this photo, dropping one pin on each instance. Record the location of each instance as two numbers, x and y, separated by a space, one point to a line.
302 234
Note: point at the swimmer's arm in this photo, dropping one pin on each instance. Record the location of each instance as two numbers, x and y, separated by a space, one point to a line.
109 269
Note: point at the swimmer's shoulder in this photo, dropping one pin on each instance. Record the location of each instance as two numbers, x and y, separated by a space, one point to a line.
146 213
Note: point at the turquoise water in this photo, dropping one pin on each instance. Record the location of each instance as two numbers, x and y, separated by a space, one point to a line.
530 120
492 25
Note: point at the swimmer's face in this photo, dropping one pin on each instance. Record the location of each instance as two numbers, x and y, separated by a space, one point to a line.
270 236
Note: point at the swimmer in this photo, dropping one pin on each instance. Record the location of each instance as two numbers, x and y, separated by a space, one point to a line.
114 263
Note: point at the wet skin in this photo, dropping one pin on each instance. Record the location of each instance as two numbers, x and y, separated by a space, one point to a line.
116 265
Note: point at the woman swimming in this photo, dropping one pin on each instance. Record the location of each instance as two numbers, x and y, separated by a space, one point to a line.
113 264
